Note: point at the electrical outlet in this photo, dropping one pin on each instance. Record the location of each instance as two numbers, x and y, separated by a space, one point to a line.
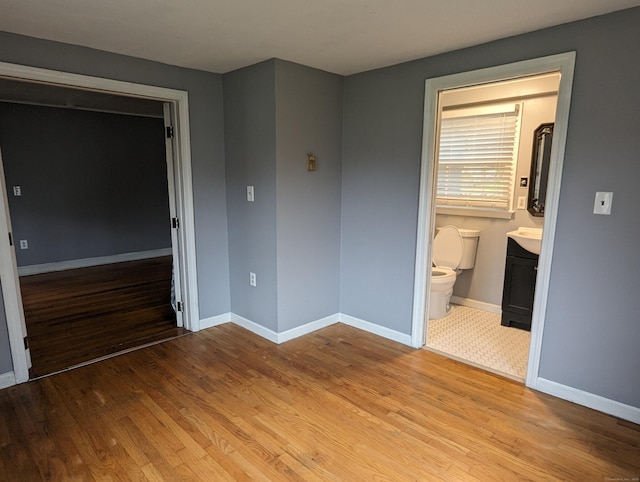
17 191
24 244
252 279
522 202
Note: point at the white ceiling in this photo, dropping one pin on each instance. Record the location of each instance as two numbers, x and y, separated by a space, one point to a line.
340 36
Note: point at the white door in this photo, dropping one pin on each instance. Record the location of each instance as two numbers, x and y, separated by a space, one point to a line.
11 290
172 177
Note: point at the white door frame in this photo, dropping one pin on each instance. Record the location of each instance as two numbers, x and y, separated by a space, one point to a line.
172 176
11 285
564 64
183 188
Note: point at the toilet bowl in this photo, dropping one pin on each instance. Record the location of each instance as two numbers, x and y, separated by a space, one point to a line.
454 249
442 281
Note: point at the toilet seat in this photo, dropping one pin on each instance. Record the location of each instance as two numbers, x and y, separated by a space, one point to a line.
448 248
442 279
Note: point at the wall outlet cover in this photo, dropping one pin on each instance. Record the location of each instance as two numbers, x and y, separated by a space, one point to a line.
522 202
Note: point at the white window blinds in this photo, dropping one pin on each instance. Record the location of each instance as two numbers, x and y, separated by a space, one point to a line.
477 157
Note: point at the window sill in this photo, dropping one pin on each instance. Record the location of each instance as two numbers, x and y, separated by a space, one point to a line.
476 212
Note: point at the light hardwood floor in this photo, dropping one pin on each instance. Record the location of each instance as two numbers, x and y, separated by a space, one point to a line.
338 404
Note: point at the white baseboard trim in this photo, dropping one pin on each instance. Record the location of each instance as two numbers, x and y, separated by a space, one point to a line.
305 329
479 305
215 321
253 327
86 262
376 329
308 328
611 407
7 380
285 335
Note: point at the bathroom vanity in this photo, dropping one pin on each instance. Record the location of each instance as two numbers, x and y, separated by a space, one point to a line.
519 286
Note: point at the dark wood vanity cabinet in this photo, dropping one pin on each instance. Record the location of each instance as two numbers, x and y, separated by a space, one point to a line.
519 286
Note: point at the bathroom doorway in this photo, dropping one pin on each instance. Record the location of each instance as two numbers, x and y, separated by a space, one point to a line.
471 330
537 90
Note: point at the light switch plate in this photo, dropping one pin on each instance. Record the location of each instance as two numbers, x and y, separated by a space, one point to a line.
250 196
602 204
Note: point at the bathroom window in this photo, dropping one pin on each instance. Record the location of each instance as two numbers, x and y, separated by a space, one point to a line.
477 158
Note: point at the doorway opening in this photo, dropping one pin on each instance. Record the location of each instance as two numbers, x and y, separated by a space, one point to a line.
460 86
171 110
89 208
484 164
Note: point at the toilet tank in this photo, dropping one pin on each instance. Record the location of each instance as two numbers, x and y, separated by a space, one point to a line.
470 246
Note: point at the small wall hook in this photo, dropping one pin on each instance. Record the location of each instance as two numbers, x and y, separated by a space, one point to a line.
311 162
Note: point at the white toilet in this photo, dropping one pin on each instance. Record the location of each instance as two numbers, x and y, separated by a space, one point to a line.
454 249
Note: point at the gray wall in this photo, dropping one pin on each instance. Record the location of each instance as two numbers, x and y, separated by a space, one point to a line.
592 324
93 184
275 113
207 142
308 120
380 180
250 149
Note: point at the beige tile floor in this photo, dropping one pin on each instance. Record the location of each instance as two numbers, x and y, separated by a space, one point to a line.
477 337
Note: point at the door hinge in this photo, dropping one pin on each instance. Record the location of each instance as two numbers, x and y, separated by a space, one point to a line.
175 222
10 240
179 305
169 132
26 343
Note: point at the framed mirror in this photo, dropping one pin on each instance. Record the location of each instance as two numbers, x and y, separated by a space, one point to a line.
542 138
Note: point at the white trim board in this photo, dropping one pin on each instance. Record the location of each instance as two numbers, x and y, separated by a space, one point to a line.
382 331
586 399
254 327
287 335
478 305
307 328
7 380
87 262
215 320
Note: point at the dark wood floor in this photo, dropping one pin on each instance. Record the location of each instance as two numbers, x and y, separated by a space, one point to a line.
82 314
337 404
